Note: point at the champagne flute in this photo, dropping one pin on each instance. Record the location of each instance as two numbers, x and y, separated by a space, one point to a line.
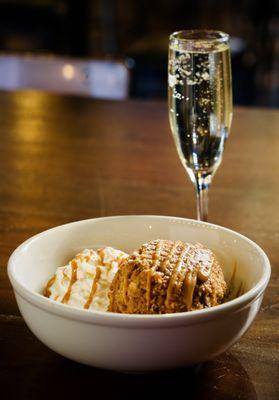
200 104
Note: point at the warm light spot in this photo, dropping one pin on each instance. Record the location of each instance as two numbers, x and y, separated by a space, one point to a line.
68 71
32 103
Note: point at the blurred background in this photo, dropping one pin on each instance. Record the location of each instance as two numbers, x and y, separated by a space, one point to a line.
118 48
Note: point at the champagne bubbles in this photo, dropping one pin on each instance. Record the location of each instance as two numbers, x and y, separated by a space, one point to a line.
172 80
198 92
186 68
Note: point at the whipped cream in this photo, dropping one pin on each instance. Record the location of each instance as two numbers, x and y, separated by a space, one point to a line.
85 281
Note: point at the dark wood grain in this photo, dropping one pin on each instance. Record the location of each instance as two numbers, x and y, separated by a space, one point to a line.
65 159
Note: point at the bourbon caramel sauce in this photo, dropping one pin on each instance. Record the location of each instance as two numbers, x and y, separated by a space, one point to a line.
182 266
89 269
240 290
148 289
196 264
93 288
67 295
235 289
180 263
174 260
101 254
125 286
189 287
156 263
47 291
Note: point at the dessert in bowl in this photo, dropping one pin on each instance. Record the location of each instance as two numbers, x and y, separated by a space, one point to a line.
128 341
162 276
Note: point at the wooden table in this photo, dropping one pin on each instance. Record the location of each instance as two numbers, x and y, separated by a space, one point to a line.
65 159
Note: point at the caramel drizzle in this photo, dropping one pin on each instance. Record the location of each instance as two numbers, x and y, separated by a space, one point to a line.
205 265
232 282
108 264
204 272
125 285
156 259
195 270
176 269
67 295
189 287
47 291
148 288
93 288
172 252
240 290
114 286
101 254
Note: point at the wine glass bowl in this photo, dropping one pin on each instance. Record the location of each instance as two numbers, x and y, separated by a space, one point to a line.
200 104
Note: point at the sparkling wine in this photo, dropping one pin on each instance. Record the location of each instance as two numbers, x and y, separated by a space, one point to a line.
200 104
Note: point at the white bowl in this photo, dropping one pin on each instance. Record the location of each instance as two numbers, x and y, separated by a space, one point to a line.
136 342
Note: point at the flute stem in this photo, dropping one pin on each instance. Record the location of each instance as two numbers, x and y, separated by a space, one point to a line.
202 186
